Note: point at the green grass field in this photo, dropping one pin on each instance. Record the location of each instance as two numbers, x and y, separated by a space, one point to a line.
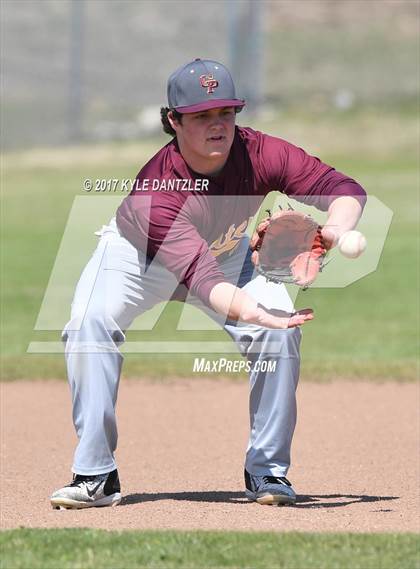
95 549
366 330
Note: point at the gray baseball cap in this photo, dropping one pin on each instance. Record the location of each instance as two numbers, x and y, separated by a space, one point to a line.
200 85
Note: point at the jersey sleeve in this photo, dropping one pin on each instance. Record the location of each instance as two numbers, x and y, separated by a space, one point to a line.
160 225
289 169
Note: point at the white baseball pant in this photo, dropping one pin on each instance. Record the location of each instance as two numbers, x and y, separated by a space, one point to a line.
113 289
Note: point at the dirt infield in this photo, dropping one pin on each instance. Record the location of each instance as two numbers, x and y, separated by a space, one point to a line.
355 458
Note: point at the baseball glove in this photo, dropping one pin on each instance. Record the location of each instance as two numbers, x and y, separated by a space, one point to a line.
288 247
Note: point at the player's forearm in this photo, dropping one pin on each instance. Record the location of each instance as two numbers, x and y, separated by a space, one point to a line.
343 215
231 301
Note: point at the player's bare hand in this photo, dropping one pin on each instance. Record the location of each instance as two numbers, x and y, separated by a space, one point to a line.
300 317
281 319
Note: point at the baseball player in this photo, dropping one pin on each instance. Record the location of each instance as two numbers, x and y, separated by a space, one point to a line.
181 234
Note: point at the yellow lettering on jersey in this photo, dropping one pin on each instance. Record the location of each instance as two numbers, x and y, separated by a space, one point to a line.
229 240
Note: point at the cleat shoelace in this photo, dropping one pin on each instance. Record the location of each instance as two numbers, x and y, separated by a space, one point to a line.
276 480
81 479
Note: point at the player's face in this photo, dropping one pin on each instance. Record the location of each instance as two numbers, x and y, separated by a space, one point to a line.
207 136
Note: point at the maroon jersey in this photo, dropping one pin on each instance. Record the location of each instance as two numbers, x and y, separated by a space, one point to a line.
190 221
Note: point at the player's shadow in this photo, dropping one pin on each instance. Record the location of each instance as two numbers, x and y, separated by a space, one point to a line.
338 500
216 496
303 501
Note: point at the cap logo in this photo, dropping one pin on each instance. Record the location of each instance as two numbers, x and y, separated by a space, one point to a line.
209 82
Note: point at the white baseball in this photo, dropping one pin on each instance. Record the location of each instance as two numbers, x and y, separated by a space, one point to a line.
352 244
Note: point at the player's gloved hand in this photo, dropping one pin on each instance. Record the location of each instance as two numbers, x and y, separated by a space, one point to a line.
289 247
306 266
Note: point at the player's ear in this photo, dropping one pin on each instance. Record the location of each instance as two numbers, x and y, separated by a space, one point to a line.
173 121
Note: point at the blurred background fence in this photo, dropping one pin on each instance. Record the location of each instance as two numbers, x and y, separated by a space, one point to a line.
76 70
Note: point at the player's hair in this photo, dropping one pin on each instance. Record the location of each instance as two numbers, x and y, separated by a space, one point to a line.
165 121
177 116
